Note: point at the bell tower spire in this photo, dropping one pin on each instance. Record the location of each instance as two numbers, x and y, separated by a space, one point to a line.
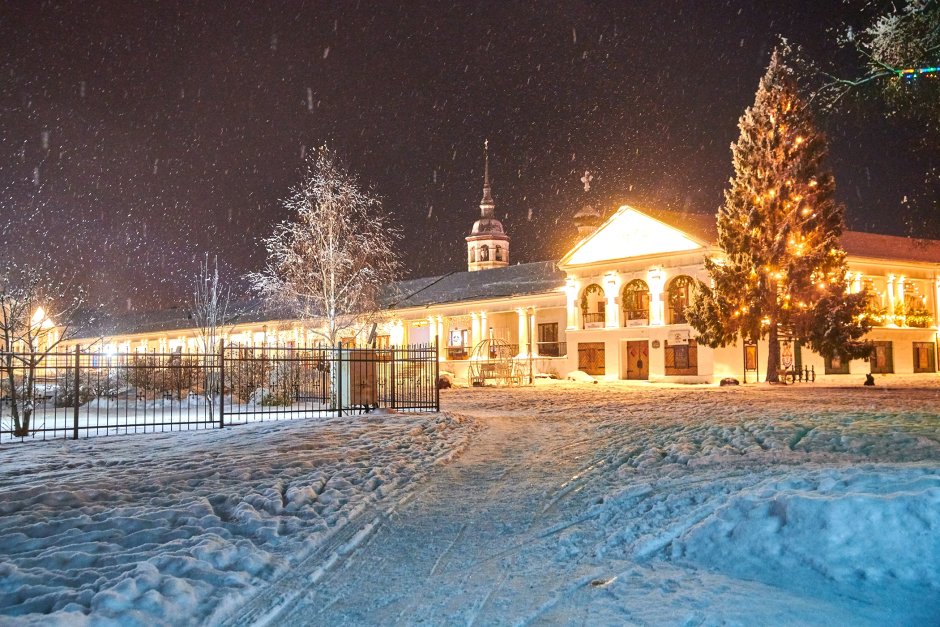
487 244
486 205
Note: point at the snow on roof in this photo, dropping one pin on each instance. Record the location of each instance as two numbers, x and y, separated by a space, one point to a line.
860 244
856 243
520 280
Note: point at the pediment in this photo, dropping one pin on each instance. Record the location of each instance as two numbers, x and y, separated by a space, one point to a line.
630 233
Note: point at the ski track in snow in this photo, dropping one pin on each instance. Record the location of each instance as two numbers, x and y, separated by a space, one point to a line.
647 505
559 504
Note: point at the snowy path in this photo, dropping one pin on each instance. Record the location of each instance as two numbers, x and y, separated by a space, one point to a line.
457 533
564 512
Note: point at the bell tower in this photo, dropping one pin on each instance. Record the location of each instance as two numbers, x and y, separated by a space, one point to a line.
487 244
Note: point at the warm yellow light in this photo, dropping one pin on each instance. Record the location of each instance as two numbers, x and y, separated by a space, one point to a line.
41 320
630 233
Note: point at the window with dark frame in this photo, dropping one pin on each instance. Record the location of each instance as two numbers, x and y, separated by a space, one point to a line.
681 359
548 339
837 365
925 357
680 296
636 301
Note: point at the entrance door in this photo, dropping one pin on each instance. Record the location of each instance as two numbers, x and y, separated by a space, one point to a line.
638 360
591 357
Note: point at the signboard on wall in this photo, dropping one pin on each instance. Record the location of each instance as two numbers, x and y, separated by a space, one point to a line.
678 338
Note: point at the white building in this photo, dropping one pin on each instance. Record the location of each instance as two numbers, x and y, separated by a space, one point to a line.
612 306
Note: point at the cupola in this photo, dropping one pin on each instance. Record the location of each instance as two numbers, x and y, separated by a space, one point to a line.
487 244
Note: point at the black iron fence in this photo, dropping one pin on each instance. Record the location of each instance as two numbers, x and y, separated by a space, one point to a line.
77 393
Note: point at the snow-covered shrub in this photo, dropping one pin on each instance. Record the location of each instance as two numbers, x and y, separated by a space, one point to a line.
581 376
65 390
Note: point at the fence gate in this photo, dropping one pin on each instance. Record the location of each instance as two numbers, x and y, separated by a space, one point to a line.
272 383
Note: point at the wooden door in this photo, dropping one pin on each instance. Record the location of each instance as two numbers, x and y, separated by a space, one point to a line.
591 357
638 360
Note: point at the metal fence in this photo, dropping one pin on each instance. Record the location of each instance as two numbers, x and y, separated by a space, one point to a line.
72 394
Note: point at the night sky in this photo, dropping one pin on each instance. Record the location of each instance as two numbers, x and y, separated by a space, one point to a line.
137 136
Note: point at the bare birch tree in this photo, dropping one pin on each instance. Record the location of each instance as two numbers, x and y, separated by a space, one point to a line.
211 317
35 311
330 260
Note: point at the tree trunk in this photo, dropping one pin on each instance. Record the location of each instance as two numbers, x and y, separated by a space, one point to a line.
773 354
14 396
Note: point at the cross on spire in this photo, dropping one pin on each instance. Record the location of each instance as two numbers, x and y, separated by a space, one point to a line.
586 179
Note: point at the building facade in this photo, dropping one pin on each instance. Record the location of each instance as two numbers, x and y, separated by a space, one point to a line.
612 306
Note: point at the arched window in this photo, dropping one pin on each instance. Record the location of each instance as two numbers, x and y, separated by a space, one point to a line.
484 253
636 301
499 253
592 306
473 254
680 296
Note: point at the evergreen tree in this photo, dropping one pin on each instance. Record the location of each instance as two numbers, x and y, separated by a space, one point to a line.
783 269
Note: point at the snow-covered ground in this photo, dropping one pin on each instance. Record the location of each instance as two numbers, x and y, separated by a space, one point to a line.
171 527
569 503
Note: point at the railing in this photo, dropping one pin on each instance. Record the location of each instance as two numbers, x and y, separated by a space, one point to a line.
76 393
636 314
552 349
458 353
594 319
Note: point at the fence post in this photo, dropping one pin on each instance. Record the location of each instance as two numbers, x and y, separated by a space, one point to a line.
339 379
392 375
221 384
76 388
437 376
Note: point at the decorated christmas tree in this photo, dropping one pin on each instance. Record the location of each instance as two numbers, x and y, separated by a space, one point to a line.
783 271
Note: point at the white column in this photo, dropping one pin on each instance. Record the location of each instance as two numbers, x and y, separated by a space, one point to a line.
432 329
474 331
902 318
857 283
936 304
611 310
533 337
484 328
571 292
656 282
523 333
890 316
441 339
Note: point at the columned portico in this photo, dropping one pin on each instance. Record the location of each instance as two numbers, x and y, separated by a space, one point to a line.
571 294
533 338
891 301
656 281
611 306
523 333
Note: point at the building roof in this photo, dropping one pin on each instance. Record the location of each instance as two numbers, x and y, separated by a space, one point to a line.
519 280
704 227
890 247
95 324
523 279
